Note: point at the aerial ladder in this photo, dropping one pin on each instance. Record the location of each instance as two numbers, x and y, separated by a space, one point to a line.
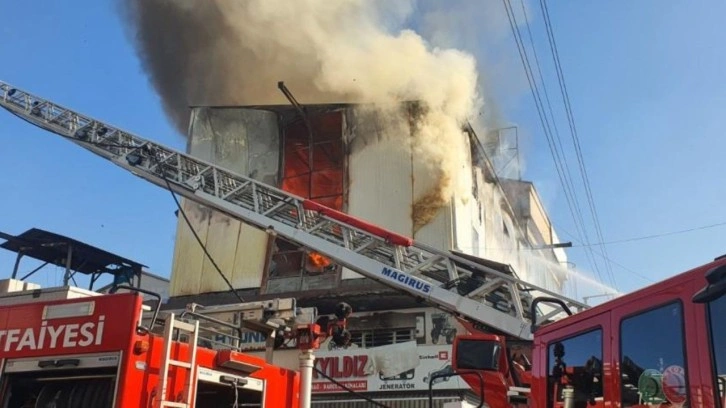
486 298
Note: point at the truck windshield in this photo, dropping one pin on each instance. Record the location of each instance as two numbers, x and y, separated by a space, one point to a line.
717 316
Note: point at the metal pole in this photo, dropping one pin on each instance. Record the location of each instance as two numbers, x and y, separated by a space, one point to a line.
17 264
568 397
69 257
307 361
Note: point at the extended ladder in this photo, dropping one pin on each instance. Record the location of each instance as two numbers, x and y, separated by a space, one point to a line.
167 362
485 296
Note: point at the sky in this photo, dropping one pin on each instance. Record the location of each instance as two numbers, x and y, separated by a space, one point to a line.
644 81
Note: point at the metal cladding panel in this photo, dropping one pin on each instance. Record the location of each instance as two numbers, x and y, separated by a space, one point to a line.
188 254
438 230
222 236
380 174
245 141
464 216
250 257
500 244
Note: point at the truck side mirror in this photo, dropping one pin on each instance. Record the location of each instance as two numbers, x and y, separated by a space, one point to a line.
716 287
472 353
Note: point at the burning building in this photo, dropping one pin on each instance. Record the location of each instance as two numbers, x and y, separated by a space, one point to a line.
361 161
382 135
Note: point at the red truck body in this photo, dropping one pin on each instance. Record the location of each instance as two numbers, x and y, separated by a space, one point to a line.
664 345
89 352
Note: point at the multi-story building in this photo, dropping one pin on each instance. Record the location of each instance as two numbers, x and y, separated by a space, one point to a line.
366 163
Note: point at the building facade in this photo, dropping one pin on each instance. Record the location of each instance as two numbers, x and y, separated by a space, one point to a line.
371 164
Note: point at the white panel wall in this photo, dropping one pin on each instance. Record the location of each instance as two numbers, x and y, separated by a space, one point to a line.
380 174
386 178
222 137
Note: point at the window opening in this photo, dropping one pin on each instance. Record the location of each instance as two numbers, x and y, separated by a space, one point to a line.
576 362
652 358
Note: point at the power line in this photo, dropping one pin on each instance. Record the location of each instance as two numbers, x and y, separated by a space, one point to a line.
194 232
631 239
561 173
568 177
652 236
607 258
573 131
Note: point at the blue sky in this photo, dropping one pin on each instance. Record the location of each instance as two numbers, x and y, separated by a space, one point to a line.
644 80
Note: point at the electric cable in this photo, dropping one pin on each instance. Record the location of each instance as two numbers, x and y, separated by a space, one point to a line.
624 240
653 236
194 232
563 177
345 387
236 396
573 130
566 170
612 261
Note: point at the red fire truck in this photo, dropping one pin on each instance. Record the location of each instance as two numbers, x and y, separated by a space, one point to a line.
92 350
664 345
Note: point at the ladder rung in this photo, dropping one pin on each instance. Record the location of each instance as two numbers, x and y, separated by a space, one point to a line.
187 327
172 404
178 363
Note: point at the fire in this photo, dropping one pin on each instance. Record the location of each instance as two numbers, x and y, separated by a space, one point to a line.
318 260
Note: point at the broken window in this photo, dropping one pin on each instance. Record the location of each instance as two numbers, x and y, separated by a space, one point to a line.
323 180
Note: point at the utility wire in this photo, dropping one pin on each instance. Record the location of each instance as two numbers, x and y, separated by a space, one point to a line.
607 258
566 169
194 232
624 240
569 194
652 236
573 132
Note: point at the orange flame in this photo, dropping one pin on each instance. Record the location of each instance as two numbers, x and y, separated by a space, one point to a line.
318 260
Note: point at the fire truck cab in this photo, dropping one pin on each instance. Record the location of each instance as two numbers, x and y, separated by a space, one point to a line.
664 345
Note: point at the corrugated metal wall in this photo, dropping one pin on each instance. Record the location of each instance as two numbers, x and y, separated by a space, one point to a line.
380 182
386 178
220 136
